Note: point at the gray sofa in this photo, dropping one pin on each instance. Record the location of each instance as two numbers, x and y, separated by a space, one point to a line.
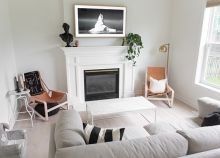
177 138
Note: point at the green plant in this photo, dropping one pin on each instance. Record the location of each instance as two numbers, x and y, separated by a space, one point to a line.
134 44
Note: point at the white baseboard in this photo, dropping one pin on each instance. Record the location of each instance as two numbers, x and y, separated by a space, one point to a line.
138 93
190 103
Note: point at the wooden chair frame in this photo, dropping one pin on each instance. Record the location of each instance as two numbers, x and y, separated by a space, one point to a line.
34 99
158 73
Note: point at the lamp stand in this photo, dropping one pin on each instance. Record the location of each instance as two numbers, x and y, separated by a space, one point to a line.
164 49
168 50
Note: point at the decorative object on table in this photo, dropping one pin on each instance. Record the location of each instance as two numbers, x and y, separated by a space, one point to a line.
24 83
16 84
42 94
66 36
158 73
95 134
76 43
99 21
12 143
165 48
134 45
24 86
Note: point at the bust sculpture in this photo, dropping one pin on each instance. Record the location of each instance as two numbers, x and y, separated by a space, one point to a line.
66 36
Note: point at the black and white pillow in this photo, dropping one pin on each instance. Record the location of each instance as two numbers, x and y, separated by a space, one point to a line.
95 134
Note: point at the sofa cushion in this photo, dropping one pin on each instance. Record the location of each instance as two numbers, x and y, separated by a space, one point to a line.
158 146
212 119
134 132
68 129
202 139
95 134
207 105
162 127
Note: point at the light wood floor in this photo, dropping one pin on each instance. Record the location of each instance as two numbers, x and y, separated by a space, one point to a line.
38 137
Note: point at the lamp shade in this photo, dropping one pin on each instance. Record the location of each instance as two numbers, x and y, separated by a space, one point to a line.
163 48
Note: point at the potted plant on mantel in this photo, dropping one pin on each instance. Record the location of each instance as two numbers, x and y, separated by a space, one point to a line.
134 44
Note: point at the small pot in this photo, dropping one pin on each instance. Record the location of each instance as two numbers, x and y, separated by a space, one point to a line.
77 44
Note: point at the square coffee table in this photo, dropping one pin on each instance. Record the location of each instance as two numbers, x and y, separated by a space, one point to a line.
118 105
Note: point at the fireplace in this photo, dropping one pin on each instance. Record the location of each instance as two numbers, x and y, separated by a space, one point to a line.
81 59
101 84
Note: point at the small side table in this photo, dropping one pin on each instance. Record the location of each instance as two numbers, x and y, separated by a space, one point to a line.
21 95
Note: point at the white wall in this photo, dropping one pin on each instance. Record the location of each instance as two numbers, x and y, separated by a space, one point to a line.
36 26
187 18
29 36
150 19
7 63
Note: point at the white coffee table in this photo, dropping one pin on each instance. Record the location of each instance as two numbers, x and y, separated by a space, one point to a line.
119 105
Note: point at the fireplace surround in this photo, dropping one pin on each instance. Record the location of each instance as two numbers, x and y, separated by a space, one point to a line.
81 59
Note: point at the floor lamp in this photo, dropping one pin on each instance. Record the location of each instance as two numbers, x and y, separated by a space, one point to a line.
165 48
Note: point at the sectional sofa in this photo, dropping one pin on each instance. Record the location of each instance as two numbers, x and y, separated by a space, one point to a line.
177 138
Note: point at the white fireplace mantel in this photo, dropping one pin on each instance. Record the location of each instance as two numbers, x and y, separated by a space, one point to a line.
79 59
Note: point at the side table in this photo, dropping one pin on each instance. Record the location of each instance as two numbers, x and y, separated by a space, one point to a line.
21 95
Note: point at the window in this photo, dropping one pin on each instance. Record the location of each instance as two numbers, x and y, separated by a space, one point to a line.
210 74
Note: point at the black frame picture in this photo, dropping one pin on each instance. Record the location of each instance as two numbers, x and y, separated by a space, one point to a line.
99 21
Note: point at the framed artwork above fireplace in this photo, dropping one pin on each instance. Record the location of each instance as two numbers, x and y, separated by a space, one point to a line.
99 21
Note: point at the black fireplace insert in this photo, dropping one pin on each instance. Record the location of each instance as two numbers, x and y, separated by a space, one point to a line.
101 84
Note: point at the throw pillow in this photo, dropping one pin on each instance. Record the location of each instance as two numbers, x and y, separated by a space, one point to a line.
95 134
157 86
212 119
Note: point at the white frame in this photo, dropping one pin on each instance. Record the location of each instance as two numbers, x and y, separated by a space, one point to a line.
202 78
206 52
77 34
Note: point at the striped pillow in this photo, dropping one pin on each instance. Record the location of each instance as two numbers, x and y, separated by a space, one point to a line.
95 134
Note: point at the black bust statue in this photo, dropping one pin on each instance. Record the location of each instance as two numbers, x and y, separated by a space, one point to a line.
66 37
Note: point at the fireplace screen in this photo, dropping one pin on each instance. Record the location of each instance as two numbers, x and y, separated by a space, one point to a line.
101 84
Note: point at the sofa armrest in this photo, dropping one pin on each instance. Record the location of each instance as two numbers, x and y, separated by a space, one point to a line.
210 153
206 105
15 149
16 134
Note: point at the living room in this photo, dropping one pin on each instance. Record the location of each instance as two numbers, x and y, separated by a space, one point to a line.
30 41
